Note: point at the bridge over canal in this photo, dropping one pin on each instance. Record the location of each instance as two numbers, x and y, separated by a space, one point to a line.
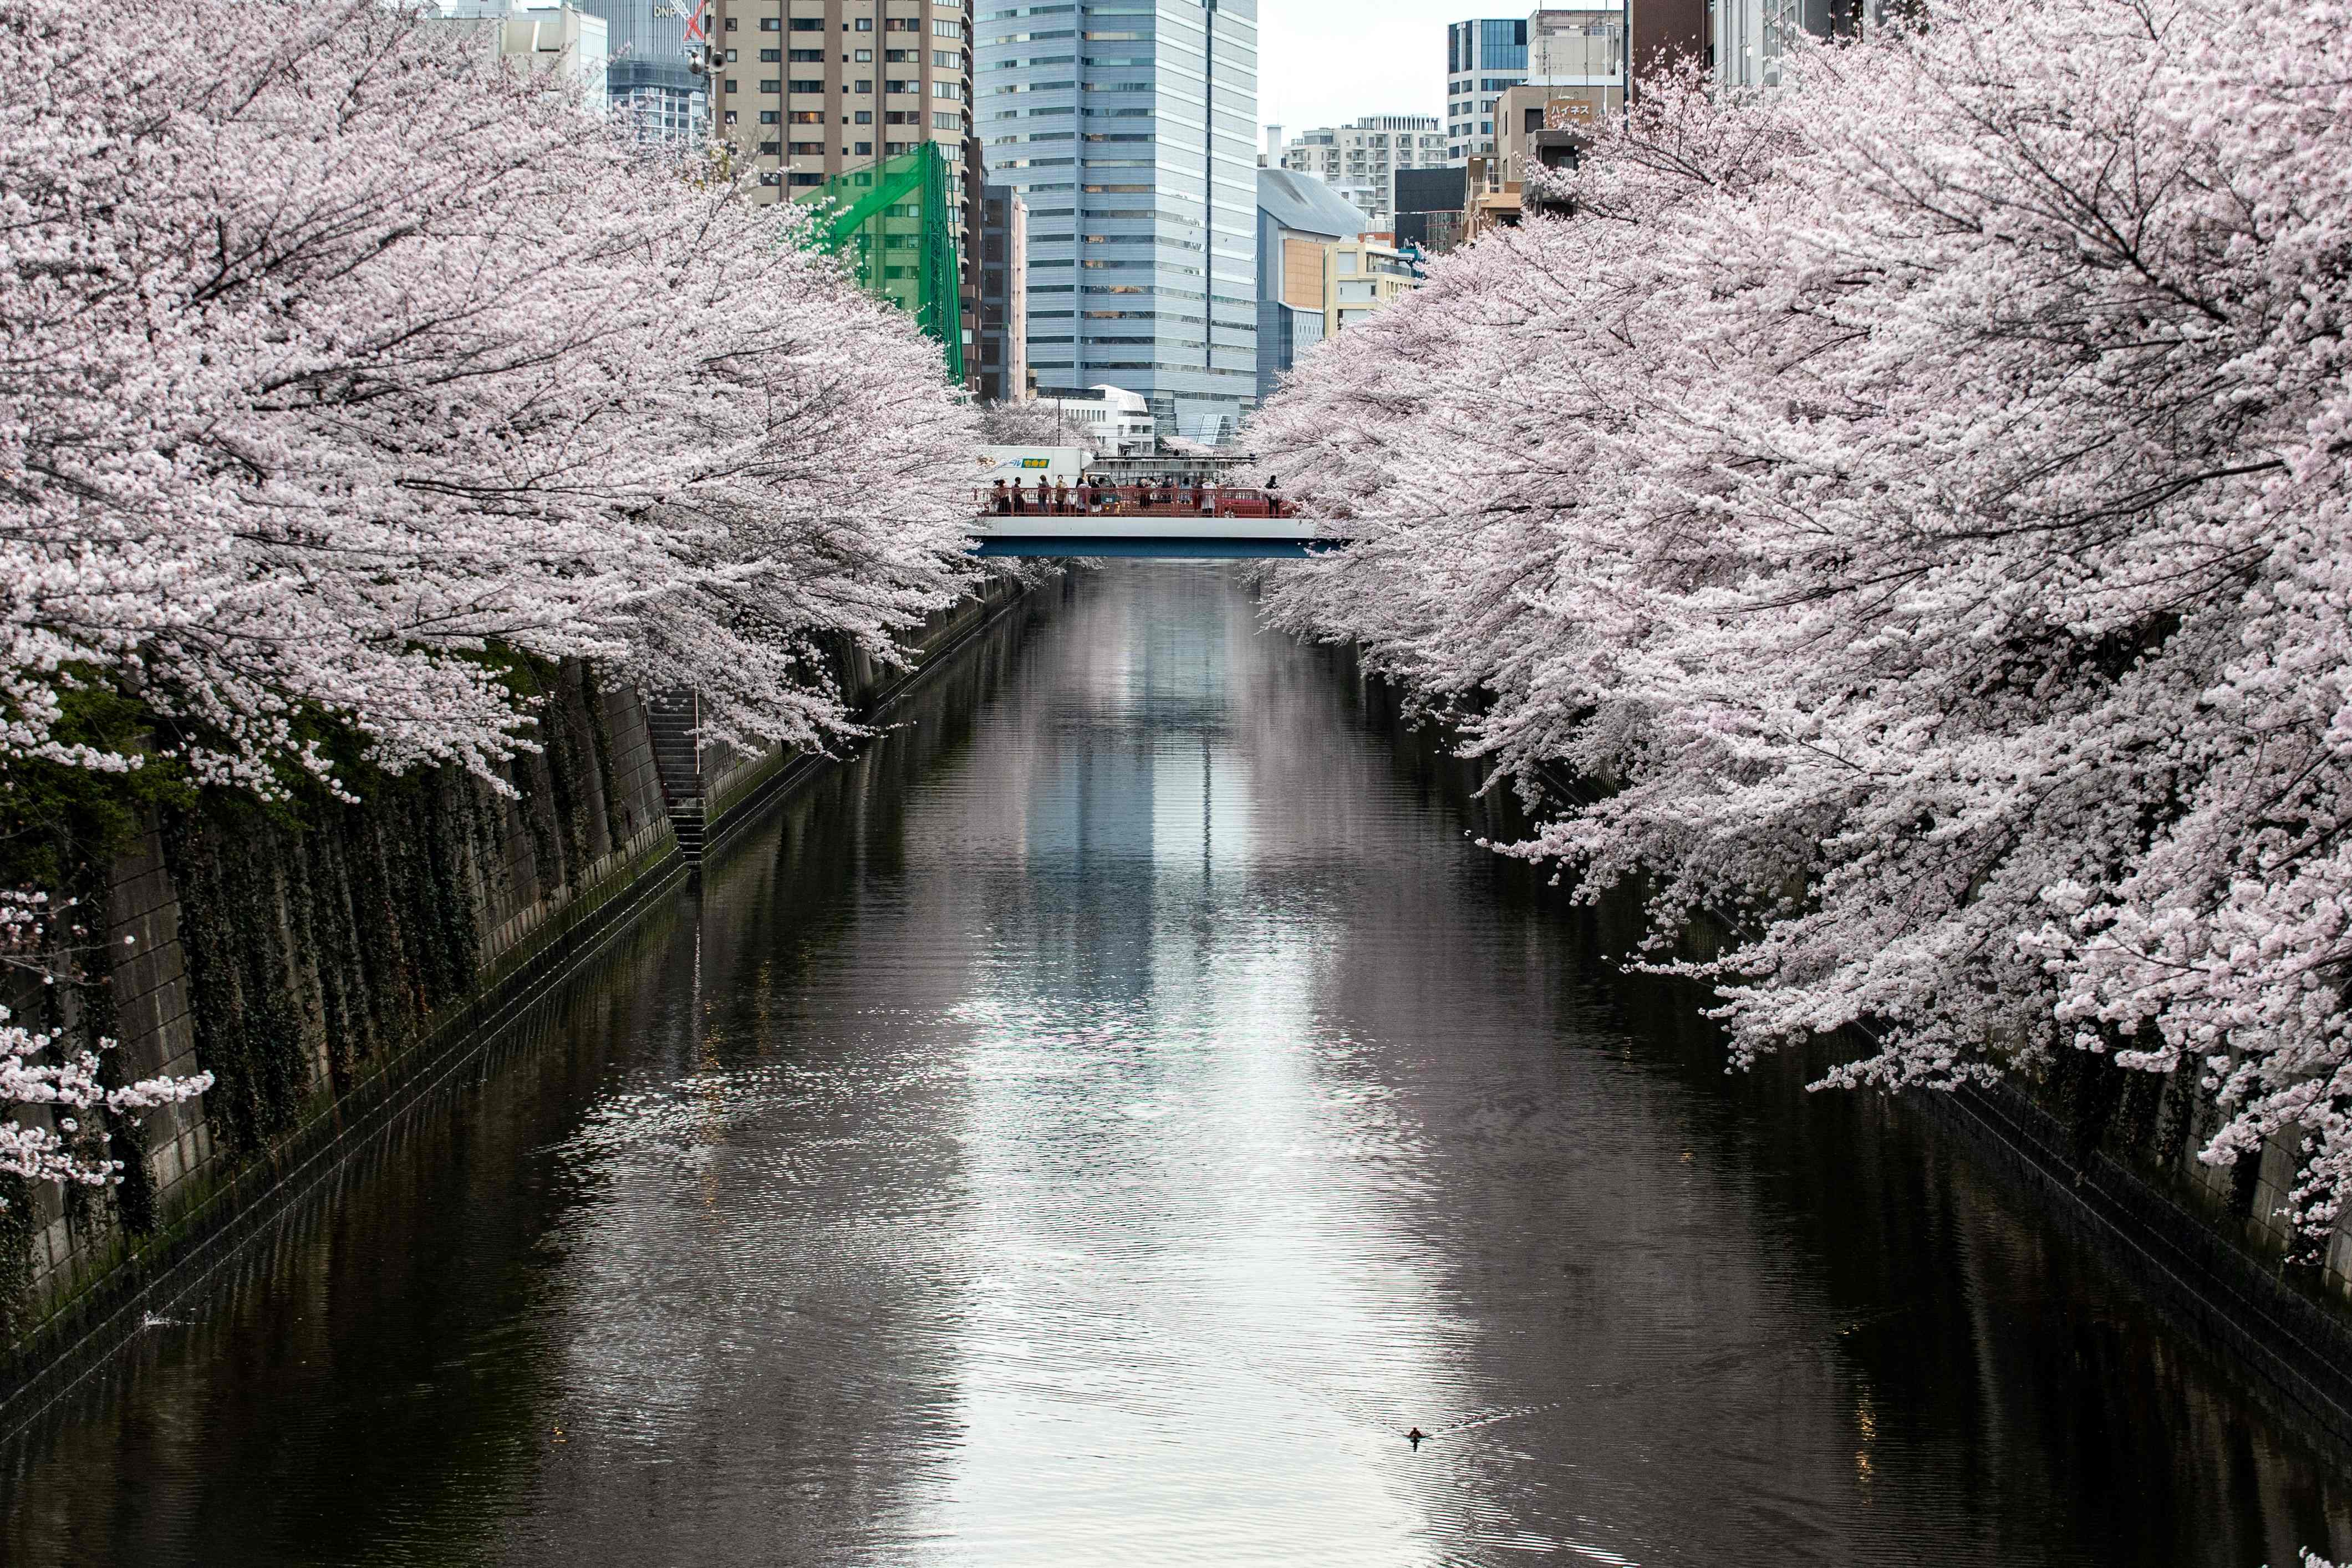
1164 522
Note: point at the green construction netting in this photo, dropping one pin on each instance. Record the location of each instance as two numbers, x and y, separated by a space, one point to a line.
889 221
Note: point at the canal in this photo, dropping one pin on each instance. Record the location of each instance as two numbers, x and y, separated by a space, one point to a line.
1093 1126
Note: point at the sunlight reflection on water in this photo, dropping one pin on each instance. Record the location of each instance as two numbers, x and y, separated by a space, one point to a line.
1094 1133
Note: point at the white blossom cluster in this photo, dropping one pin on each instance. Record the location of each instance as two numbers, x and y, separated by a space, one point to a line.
1912 507
339 359
38 1068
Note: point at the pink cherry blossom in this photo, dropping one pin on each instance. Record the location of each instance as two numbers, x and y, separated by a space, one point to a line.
1909 511
340 360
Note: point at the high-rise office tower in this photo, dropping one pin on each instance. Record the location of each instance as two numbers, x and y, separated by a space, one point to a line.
1483 60
647 76
1129 126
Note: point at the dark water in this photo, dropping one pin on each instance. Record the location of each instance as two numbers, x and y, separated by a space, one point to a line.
1091 1128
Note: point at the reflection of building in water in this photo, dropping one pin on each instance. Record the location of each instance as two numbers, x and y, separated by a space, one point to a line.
1125 796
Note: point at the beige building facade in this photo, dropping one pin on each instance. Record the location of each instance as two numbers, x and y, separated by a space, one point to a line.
1362 276
805 90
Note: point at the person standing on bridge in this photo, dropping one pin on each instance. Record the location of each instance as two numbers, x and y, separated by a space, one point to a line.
1041 494
996 499
1062 496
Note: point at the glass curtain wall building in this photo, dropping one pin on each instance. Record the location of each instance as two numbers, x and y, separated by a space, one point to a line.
1130 128
1484 59
650 86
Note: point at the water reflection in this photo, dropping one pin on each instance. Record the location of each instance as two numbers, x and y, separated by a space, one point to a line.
1093 1127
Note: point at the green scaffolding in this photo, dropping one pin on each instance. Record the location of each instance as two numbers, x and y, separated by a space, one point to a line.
890 222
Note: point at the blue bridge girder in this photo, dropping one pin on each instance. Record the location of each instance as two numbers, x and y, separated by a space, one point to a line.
1154 547
1171 534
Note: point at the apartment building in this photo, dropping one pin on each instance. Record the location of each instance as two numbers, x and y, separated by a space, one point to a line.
805 90
1360 160
1482 59
1129 128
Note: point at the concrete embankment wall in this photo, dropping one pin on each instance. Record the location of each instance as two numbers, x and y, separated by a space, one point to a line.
2219 1270
2111 1154
322 964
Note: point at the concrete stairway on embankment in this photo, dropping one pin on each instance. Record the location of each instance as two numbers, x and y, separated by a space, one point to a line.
670 721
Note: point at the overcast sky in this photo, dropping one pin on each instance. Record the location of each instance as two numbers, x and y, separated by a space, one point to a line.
1326 62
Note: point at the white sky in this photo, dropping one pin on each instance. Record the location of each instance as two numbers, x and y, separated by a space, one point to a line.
1326 62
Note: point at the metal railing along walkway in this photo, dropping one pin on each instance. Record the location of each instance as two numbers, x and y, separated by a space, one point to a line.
1144 520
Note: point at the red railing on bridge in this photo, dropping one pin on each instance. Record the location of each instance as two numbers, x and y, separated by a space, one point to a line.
1132 500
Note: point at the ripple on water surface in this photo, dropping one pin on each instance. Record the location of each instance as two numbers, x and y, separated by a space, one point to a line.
1092 1127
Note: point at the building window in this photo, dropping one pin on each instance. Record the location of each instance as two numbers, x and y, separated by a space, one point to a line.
730 24
767 84
770 25
800 24
730 55
862 24
808 149
864 117
729 117
771 116
800 57
948 90
769 149
866 148
947 60
808 179
814 84
947 28
897 85
947 121
896 147
807 117
862 84
769 177
865 56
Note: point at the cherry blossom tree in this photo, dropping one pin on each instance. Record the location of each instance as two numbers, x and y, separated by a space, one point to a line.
1032 422
1900 519
339 355
38 1069
341 362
